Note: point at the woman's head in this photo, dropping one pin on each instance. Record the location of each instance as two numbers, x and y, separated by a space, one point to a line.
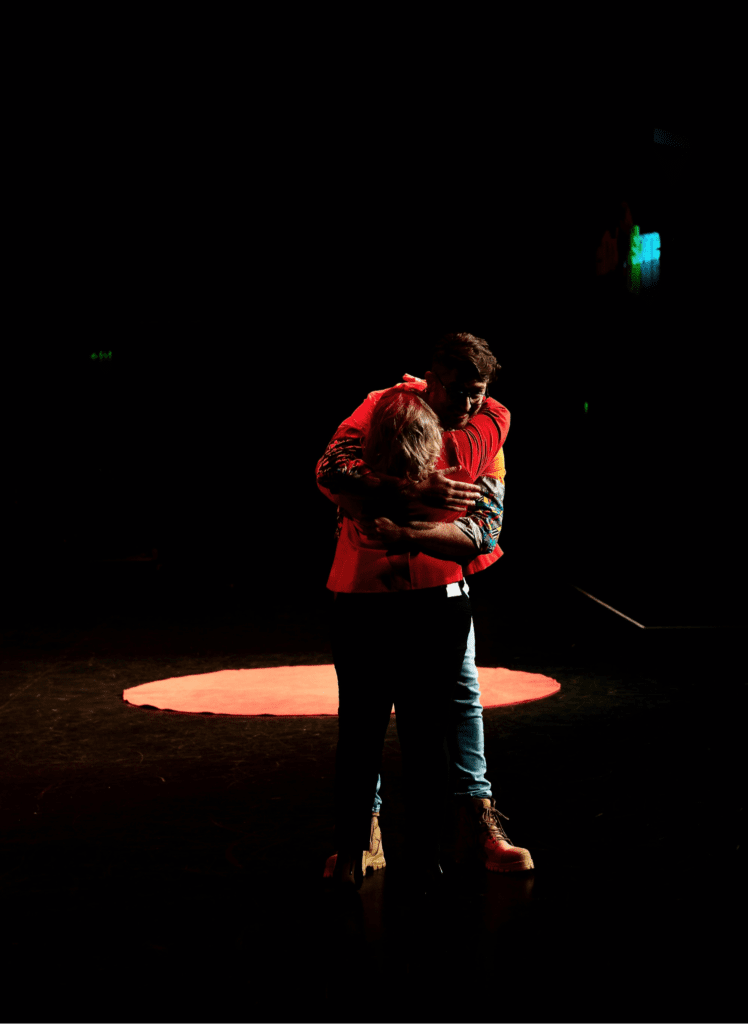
404 438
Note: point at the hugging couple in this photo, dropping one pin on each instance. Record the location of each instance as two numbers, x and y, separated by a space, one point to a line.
417 473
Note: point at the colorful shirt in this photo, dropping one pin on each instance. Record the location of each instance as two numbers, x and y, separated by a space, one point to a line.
365 565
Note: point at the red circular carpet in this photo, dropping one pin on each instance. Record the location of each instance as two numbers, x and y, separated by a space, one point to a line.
302 690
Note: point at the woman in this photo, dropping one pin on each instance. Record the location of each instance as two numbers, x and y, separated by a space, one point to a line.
401 622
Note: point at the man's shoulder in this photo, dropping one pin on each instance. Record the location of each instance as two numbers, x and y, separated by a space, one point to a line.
492 407
499 414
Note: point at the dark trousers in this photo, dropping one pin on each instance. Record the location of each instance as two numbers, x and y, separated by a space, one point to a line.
404 648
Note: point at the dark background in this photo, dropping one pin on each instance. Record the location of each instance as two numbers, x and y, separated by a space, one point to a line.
255 270
253 287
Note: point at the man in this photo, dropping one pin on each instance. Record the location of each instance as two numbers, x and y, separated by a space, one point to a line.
426 556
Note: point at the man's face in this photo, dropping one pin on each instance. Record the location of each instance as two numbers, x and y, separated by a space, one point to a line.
449 397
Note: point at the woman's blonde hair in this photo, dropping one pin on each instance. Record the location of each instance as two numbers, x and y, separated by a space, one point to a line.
405 437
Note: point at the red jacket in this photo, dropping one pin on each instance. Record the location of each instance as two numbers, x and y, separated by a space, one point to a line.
363 565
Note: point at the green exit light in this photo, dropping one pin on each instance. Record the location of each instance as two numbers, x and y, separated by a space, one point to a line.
101 355
586 406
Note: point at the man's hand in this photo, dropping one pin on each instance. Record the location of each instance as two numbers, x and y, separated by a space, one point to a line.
389 533
437 491
440 540
382 529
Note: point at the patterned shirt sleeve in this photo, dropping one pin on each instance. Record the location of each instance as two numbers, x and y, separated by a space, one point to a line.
343 457
483 525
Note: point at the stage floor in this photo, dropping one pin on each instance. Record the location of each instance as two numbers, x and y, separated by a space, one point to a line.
164 867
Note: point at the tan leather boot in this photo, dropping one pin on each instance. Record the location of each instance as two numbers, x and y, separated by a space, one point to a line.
371 858
481 835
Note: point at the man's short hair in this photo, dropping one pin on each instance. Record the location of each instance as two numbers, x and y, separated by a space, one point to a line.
469 355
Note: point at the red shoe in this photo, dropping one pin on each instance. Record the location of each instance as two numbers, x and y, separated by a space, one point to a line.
481 834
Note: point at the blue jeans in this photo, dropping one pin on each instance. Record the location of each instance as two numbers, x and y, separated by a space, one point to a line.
467 762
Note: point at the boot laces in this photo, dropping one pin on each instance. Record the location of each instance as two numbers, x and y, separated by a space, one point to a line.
490 818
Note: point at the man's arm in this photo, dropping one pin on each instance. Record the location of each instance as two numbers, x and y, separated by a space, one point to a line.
441 540
477 531
461 541
342 469
345 479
